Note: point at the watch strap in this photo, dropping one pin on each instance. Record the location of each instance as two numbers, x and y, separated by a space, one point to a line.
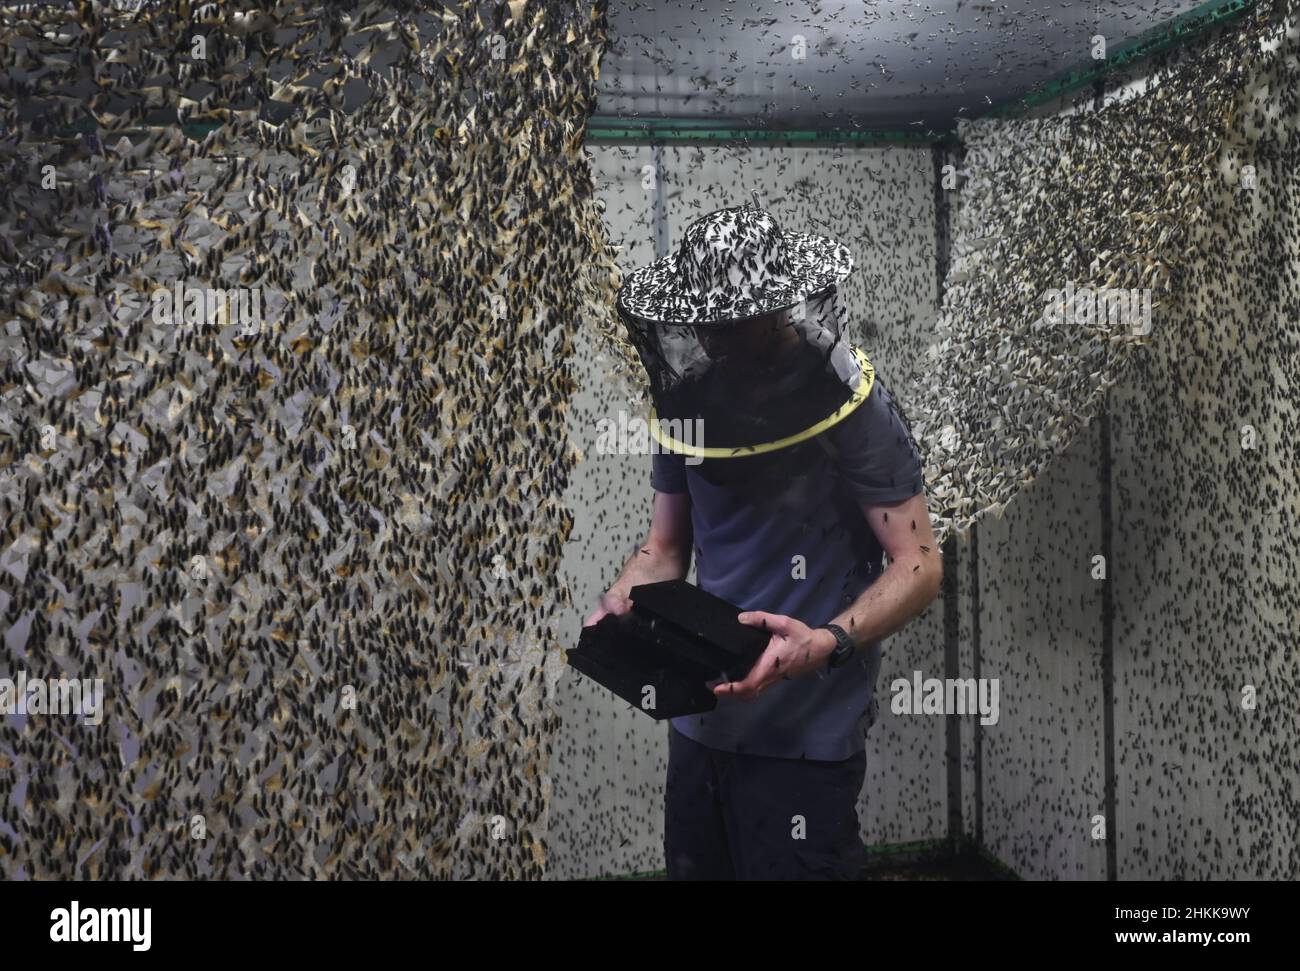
844 646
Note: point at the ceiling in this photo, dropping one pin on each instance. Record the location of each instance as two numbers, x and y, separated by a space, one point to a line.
870 64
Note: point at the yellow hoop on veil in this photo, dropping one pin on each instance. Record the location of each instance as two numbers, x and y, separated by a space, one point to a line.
866 380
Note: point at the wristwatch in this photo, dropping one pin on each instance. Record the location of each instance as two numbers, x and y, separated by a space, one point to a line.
844 646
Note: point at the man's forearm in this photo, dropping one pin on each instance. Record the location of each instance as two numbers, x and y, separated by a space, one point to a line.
887 606
650 564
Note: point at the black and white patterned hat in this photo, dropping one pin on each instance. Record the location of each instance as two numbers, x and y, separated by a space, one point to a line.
733 264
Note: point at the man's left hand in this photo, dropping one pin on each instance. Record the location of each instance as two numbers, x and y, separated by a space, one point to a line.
794 649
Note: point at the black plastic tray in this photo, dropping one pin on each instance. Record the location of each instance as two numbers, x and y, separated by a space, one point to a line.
678 640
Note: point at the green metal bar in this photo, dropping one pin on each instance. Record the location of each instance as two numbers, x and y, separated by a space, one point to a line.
937 846
986 855
667 133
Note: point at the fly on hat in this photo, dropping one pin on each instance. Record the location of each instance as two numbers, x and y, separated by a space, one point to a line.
739 332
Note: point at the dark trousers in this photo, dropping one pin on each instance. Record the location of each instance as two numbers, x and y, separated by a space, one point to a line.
730 816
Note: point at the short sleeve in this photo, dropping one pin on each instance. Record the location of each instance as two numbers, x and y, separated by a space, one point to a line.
877 457
668 472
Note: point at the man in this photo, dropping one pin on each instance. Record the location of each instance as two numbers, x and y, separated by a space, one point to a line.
813 475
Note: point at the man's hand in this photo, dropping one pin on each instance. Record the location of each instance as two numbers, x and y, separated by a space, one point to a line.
609 603
793 649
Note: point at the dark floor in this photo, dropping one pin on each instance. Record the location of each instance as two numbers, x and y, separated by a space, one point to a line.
961 868
902 866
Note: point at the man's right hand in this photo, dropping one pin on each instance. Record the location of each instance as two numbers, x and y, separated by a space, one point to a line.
609 603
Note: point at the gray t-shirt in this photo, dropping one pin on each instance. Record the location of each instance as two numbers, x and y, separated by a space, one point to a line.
745 549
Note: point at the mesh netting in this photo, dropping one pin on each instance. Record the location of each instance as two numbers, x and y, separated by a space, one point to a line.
749 382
